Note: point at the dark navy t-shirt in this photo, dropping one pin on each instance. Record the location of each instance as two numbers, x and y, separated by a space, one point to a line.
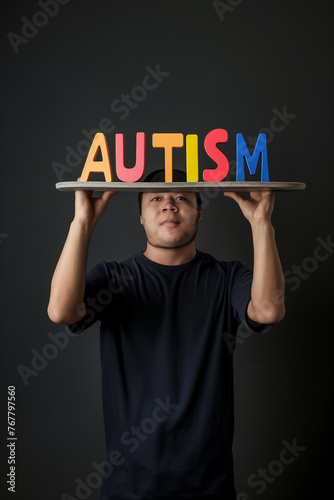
167 374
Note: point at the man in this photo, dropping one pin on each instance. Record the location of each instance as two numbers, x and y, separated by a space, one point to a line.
167 370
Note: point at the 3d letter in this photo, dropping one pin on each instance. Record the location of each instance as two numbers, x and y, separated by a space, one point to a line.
168 142
252 160
213 138
135 173
91 165
192 157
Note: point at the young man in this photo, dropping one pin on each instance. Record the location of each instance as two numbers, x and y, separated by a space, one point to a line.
167 370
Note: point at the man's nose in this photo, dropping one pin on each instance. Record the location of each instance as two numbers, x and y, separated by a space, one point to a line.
170 206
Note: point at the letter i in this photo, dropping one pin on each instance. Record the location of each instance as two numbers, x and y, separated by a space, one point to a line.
192 157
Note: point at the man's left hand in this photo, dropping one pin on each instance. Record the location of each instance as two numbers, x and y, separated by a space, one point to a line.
258 208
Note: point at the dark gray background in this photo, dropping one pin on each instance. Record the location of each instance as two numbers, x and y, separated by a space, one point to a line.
223 73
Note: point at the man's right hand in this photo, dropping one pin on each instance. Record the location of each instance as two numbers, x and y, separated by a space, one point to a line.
88 210
66 304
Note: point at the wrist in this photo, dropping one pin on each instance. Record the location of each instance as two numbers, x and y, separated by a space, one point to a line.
82 225
262 227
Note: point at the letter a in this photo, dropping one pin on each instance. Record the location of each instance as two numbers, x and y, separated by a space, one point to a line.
91 165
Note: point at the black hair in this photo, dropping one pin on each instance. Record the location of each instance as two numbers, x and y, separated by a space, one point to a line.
159 176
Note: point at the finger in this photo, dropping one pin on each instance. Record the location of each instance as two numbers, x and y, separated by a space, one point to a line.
83 194
106 195
263 193
235 196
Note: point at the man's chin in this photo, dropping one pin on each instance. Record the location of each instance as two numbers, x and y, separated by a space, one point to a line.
169 242
172 244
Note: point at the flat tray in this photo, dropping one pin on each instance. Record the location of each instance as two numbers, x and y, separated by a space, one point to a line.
156 187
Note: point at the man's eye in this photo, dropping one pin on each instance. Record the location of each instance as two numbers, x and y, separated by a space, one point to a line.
180 198
156 198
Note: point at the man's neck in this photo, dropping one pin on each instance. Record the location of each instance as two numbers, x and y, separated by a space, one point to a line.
170 256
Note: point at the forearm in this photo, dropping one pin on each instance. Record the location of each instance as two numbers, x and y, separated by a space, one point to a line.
68 283
267 294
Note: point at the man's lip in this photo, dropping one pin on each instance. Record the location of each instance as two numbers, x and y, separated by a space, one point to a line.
169 221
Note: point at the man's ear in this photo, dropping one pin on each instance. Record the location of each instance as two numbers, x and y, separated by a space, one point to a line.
199 214
141 220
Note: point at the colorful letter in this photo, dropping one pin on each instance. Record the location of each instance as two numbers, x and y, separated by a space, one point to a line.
91 165
252 160
168 142
135 173
213 138
192 157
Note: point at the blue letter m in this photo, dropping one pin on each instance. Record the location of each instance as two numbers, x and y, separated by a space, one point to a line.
252 160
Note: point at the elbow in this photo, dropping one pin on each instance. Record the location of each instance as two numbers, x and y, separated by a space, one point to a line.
282 314
55 315
274 315
266 313
63 317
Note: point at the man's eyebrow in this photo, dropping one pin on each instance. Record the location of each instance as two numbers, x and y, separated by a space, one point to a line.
164 193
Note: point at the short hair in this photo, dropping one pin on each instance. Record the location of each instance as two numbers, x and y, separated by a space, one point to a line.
159 176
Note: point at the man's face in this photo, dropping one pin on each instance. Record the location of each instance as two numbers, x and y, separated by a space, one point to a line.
170 219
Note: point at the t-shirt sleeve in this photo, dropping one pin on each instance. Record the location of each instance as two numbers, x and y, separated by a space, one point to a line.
241 284
97 286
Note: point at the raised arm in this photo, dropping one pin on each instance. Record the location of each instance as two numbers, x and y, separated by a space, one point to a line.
68 282
267 295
